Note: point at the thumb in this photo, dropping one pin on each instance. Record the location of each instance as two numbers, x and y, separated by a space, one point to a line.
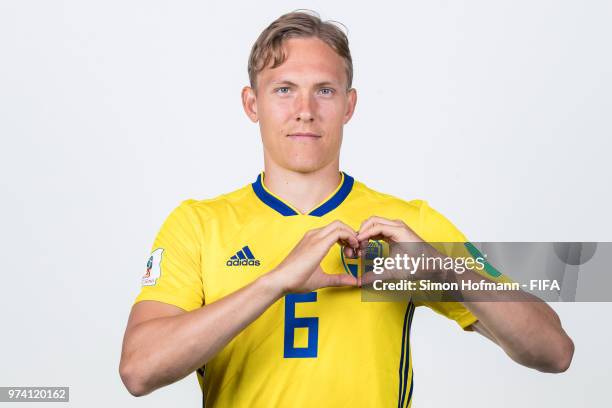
340 280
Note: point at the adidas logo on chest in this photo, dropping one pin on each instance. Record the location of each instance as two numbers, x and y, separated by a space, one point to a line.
243 257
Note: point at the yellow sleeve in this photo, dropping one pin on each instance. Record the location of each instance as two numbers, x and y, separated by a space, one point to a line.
434 227
173 271
451 310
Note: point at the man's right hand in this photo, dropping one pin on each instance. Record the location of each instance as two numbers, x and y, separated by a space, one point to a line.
147 365
300 271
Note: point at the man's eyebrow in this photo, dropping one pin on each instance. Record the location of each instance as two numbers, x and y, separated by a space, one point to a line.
286 82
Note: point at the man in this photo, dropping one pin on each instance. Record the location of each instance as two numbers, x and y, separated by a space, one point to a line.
251 288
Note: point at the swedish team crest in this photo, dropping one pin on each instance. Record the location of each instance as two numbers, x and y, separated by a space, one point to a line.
358 266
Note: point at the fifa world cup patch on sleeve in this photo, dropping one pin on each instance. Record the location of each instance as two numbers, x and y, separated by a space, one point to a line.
153 268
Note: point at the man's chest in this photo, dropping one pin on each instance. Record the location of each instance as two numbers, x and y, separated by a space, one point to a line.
235 255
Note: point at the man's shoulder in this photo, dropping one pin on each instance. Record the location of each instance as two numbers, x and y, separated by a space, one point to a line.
238 199
365 194
417 213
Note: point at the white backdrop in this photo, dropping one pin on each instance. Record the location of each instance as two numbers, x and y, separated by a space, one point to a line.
111 113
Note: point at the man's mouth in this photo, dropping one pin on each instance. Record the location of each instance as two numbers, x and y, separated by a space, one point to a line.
304 135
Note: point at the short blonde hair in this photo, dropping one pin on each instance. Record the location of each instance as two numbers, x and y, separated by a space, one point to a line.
297 24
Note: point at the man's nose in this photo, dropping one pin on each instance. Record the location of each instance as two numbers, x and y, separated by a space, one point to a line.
305 108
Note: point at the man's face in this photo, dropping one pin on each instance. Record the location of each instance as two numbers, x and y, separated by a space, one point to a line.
302 106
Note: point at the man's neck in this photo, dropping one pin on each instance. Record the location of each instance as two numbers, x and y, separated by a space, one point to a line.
303 191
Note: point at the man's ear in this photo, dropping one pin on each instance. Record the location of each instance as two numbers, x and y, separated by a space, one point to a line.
351 96
249 103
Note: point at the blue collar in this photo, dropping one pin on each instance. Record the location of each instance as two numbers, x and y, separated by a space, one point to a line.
346 185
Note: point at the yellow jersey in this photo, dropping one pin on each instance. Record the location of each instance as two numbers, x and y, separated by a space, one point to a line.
321 349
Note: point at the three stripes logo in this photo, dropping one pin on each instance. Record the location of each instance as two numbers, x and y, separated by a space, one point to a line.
244 257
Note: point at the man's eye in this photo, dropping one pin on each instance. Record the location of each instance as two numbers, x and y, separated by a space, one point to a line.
282 90
326 91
